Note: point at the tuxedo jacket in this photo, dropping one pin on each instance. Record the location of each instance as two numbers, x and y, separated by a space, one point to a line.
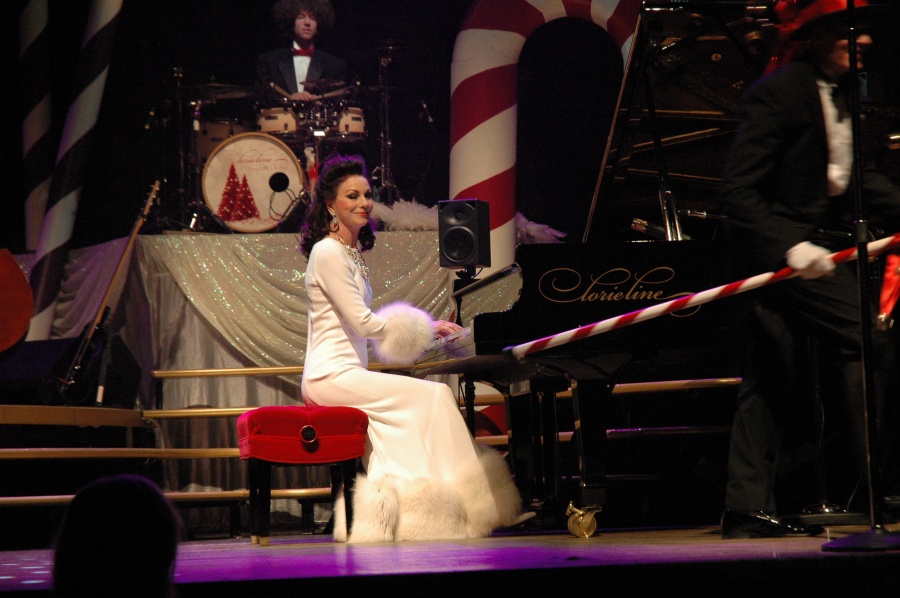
775 182
277 67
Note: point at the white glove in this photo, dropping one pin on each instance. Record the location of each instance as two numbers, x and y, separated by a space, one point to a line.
810 261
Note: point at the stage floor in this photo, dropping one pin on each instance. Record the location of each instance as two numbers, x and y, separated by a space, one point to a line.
689 561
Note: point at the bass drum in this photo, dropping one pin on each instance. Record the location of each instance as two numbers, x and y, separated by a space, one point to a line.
253 182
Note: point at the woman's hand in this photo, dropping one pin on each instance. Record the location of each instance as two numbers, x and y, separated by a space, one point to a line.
443 328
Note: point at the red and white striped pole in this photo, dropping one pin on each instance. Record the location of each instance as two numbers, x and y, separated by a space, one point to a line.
519 351
483 97
65 190
38 150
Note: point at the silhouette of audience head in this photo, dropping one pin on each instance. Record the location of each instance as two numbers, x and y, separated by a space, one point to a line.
118 537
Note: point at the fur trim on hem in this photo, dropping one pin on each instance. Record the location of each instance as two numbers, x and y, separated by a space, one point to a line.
489 494
409 333
481 499
375 511
430 510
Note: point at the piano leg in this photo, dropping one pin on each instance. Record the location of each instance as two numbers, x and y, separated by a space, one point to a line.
524 453
545 396
590 400
534 445
469 397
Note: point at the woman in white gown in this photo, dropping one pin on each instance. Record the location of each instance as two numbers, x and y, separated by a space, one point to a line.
425 477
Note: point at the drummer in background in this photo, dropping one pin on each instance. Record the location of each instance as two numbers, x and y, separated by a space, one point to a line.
300 21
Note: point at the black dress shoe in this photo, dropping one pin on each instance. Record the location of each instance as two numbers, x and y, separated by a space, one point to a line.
759 524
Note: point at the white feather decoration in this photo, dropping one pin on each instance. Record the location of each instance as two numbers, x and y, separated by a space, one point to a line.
412 216
406 215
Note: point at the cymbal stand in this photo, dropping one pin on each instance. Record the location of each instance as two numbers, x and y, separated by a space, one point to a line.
387 193
193 210
178 73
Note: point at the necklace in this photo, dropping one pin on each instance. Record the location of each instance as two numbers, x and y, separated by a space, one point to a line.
356 255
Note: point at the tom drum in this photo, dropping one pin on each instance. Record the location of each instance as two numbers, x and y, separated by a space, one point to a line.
211 133
352 124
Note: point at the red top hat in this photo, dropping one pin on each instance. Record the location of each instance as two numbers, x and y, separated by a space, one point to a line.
796 16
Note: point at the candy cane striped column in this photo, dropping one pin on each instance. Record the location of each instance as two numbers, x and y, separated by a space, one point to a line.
56 230
872 249
37 146
483 104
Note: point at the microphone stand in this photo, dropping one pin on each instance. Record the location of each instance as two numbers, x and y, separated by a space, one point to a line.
877 538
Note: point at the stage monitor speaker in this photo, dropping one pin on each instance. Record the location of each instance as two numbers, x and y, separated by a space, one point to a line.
464 230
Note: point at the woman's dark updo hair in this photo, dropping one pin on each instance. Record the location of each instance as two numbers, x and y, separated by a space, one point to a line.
285 14
317 224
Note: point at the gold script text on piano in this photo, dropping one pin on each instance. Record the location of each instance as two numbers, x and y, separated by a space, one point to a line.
565 285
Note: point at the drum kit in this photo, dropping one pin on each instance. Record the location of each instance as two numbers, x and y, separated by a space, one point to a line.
254 162
248 164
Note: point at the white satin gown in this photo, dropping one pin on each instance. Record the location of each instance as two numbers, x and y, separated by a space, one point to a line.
416 429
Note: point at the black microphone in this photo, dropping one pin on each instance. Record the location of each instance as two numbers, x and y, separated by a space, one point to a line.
279 182
425 110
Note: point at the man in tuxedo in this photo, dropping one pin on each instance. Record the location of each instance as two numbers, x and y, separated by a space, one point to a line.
300 61
786 194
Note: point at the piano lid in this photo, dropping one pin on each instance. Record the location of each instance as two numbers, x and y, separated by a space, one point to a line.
689 65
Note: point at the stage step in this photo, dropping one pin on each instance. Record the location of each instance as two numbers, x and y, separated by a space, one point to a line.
212 496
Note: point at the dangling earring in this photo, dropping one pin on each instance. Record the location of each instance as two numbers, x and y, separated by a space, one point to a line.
334 220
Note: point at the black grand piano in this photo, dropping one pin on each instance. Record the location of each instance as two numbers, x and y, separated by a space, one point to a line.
652 235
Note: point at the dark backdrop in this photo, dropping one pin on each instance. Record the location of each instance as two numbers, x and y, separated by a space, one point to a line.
567 95
569 78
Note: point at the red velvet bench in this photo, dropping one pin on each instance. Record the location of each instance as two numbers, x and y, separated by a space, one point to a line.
295 435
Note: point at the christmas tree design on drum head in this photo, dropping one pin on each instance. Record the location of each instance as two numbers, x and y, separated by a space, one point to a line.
238 182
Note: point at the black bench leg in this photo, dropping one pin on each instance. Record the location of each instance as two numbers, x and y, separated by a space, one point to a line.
344 474
260 482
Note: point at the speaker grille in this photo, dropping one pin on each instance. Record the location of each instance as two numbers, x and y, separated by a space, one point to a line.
459 245
465 235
